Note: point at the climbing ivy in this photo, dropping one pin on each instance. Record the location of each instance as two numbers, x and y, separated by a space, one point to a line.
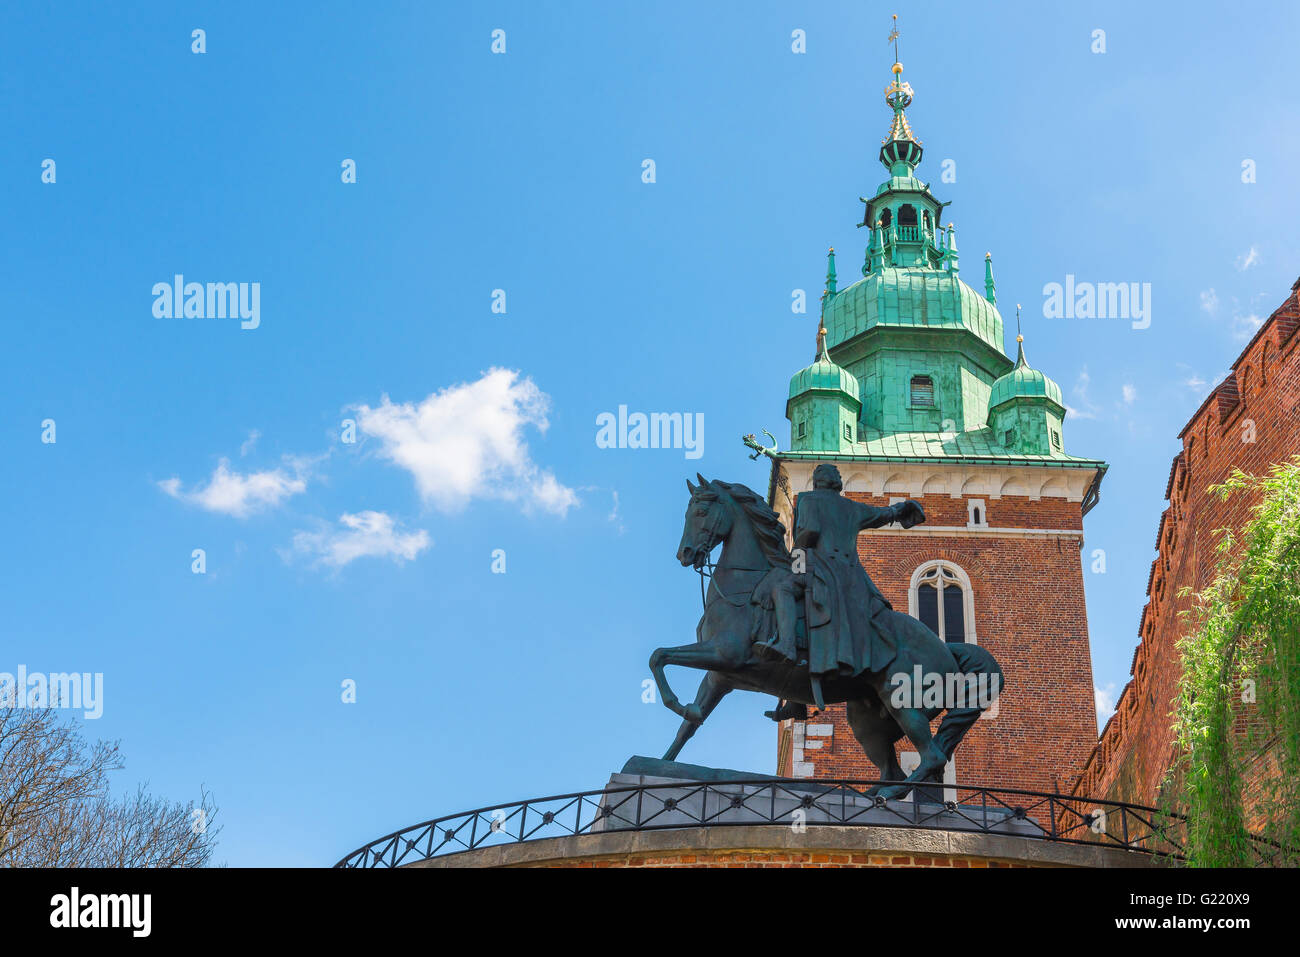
1237 711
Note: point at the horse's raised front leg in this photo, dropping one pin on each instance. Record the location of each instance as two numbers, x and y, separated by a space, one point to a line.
710 655
712 690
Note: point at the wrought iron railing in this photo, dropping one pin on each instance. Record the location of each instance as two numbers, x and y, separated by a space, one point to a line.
784 802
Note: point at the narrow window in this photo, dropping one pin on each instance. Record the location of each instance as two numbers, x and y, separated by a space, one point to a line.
848 432
954 618
802 430
927 603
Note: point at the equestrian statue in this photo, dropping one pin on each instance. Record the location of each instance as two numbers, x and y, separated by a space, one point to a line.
810 627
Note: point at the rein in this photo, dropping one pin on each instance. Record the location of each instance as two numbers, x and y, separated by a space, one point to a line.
737 602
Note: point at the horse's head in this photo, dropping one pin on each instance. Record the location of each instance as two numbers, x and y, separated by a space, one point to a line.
708 522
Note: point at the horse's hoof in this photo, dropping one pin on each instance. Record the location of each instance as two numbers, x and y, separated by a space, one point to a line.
893 791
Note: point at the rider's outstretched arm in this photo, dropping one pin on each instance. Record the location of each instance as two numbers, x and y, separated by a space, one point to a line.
873 517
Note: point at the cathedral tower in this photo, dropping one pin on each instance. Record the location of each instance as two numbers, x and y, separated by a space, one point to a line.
911 394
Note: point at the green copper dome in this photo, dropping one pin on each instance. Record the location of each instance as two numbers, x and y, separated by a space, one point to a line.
1024 382
915 298
824 376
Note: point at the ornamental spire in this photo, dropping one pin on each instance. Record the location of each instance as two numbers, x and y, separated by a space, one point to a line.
900 151
990 291
1021 362
830 271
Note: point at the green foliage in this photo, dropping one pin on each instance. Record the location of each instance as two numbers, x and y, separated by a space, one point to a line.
1237 717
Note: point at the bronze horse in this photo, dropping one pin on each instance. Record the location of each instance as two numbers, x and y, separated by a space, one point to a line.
753 542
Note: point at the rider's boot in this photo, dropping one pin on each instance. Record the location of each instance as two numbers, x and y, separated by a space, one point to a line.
788 709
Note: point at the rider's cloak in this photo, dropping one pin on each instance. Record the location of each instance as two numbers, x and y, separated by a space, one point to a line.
847 633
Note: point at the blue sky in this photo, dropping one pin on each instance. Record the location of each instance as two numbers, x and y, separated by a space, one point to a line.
522 172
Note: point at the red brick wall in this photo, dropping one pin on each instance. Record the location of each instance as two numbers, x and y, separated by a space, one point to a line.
1260 399
1029 612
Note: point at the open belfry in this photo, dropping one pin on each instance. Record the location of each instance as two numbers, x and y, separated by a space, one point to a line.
911 394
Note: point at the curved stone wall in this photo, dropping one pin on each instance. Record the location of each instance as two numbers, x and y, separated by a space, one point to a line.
815 846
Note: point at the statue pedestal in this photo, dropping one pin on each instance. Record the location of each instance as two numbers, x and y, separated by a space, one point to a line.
691 795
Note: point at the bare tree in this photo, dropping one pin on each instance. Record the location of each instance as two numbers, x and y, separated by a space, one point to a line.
56 809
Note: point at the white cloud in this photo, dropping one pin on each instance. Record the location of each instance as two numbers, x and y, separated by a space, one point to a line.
1210 301
1247 259
240 495
467 441
1105 700
1195 382
249 443
1130 393
363 535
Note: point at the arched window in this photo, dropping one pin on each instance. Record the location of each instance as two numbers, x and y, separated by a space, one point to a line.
941 597
886 218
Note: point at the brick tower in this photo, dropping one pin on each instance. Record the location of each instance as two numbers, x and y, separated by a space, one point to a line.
913 396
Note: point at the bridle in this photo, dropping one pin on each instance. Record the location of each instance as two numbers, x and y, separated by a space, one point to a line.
711 535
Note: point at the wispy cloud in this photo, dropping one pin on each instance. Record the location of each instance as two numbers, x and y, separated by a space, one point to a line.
1210 301
239 494
363 535
1130 393
614 517
1247 259
1243 327
249 443
467 442
1083 407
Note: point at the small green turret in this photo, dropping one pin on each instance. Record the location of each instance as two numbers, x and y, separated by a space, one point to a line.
1026 409
824 405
